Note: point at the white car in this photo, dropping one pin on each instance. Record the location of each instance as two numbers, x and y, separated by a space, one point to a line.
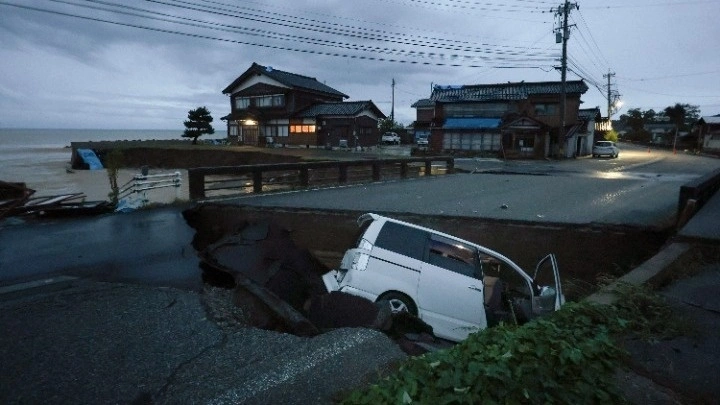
390 137
605 148
422 140
455 286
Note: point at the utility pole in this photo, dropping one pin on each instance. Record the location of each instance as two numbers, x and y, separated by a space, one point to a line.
564 30
392 107
610 98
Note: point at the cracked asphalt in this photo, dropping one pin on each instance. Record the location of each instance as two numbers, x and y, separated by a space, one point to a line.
81 341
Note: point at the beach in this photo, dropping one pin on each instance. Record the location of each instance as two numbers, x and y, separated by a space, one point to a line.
40 158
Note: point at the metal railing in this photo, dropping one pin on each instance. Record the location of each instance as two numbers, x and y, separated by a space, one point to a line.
228 180
141 183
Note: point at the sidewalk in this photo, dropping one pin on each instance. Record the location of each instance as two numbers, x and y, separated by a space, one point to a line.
685 369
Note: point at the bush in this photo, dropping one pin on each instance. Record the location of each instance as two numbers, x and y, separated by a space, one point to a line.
567 357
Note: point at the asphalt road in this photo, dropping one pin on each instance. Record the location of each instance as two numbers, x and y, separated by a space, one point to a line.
87 341
639 188
151 245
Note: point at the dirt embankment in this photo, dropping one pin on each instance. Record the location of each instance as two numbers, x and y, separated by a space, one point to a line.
179 155
186 158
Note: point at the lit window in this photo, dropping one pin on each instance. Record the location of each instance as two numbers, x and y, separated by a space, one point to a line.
302 129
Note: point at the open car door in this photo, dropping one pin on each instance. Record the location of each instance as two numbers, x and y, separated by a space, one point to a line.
549 296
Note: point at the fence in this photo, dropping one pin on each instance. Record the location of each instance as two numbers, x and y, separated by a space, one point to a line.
208 182
140 184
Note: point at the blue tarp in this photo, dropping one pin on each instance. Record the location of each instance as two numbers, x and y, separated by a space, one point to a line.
472 123
89 157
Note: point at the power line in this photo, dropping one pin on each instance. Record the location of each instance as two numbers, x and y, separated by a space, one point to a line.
268 46
295 38
646 79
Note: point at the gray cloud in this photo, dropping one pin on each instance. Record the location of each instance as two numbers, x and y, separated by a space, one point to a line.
63 71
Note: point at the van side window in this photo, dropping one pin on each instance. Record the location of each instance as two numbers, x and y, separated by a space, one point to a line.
453 256
403 240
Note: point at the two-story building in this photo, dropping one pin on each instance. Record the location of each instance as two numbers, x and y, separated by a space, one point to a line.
272 106
510 119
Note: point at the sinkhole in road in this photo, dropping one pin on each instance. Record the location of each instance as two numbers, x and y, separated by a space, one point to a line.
585 253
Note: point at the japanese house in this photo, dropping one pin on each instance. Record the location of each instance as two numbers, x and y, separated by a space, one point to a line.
519 119
270 106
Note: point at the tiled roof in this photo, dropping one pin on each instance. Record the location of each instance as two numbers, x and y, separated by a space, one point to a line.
503 91
289 79
346 108
714 119
423 102
588 113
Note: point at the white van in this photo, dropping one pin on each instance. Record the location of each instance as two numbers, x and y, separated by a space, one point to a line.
455 286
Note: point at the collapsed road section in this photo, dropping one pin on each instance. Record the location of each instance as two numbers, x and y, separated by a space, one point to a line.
274 260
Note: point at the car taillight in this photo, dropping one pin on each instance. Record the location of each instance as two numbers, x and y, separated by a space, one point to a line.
364 244
355 259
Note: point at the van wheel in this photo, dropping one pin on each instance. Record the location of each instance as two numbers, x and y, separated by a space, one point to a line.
399 302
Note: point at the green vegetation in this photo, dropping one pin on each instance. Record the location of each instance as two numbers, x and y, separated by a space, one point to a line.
683 116
611 136
389 125
568 357
198 124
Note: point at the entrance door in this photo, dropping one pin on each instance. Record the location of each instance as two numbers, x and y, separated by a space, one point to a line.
249 135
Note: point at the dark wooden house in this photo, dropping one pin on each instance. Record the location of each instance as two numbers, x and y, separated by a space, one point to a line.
270 106
512 119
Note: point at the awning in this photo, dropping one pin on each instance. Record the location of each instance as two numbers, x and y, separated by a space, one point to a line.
472 123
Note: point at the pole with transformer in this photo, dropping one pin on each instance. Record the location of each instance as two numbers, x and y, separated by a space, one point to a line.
564 30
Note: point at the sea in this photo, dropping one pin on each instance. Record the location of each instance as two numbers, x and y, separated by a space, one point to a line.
40 157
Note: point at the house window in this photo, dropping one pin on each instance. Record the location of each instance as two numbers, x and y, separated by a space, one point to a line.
242 103
275 130
459 110
275 100
302 129
546 109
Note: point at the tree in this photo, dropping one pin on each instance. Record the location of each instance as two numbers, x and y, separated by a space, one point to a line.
198 124
611 136
677 115
389 125
636 119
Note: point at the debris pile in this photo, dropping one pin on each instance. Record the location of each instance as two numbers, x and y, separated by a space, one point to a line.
279 284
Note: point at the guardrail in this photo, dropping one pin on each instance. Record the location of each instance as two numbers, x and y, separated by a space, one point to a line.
266 177
694 194
133 194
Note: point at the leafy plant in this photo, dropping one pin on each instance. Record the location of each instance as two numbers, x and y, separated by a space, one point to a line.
567 357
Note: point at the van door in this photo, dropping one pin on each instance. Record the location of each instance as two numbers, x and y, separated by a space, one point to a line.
549 298
450 297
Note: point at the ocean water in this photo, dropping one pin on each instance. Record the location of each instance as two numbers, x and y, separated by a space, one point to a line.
39 157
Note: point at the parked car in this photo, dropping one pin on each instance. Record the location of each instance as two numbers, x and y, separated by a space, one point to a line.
390 138
454 285
422 140
605 148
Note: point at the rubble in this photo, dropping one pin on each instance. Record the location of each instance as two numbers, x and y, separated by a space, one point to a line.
279 285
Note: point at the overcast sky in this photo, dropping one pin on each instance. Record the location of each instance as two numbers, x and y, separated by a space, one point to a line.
132 64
